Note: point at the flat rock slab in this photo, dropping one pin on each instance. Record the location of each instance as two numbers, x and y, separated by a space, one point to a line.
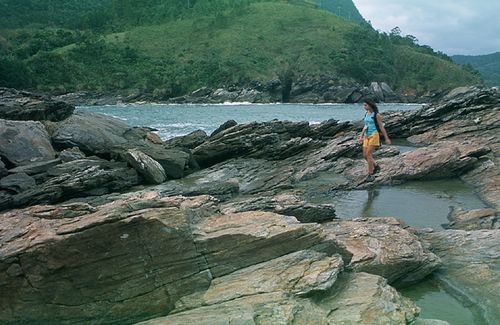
358 298
230 242
296 274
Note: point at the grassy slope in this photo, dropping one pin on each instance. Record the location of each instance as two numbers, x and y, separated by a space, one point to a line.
258 43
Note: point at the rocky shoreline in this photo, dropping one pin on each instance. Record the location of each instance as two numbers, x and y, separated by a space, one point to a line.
305 91
105 223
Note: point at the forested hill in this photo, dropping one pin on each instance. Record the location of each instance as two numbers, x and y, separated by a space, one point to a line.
488 65
173 47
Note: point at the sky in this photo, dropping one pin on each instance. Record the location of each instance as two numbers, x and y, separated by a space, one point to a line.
467 27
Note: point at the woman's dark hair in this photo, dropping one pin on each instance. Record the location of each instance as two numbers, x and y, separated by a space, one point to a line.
372 105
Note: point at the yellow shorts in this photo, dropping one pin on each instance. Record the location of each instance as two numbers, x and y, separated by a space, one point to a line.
372 140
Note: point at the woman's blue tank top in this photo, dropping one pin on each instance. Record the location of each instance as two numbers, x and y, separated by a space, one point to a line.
370 123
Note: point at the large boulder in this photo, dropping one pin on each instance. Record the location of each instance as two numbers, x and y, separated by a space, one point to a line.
94 134
21 105
382 246
125 261
24 142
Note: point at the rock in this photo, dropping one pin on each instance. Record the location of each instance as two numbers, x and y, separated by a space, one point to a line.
284 203
201 92
189 141
24 142
221 189
223 95
174 161
71 154
389 94
377 91
270 140
445 159
250 176
383 247
120 264
3 170
270 234
226 125
330 128
474 219
363 298
78 178
35 168
17 183
471 266
93 134
146 166
296 274
249 95
22 105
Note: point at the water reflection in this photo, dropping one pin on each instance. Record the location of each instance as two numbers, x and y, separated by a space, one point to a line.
372 193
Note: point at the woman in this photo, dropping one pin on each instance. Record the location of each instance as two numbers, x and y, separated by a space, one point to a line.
370 136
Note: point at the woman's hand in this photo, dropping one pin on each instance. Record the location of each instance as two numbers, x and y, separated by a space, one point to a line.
387 141
360 139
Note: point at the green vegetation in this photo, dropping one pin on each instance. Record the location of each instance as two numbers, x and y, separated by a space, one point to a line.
488 65
168 48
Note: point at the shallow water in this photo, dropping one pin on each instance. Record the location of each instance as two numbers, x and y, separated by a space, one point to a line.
419 204
436 303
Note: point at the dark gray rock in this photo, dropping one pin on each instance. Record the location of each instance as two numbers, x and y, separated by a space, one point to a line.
174 161
329 128
22 105
269 140
188 141
226 125
24 142
36 168
94 134
3 170
17 183
78 178
285 203
71 154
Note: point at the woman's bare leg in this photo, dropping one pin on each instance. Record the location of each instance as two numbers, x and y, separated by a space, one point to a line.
369 158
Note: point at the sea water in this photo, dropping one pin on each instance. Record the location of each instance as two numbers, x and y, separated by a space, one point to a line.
171 120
